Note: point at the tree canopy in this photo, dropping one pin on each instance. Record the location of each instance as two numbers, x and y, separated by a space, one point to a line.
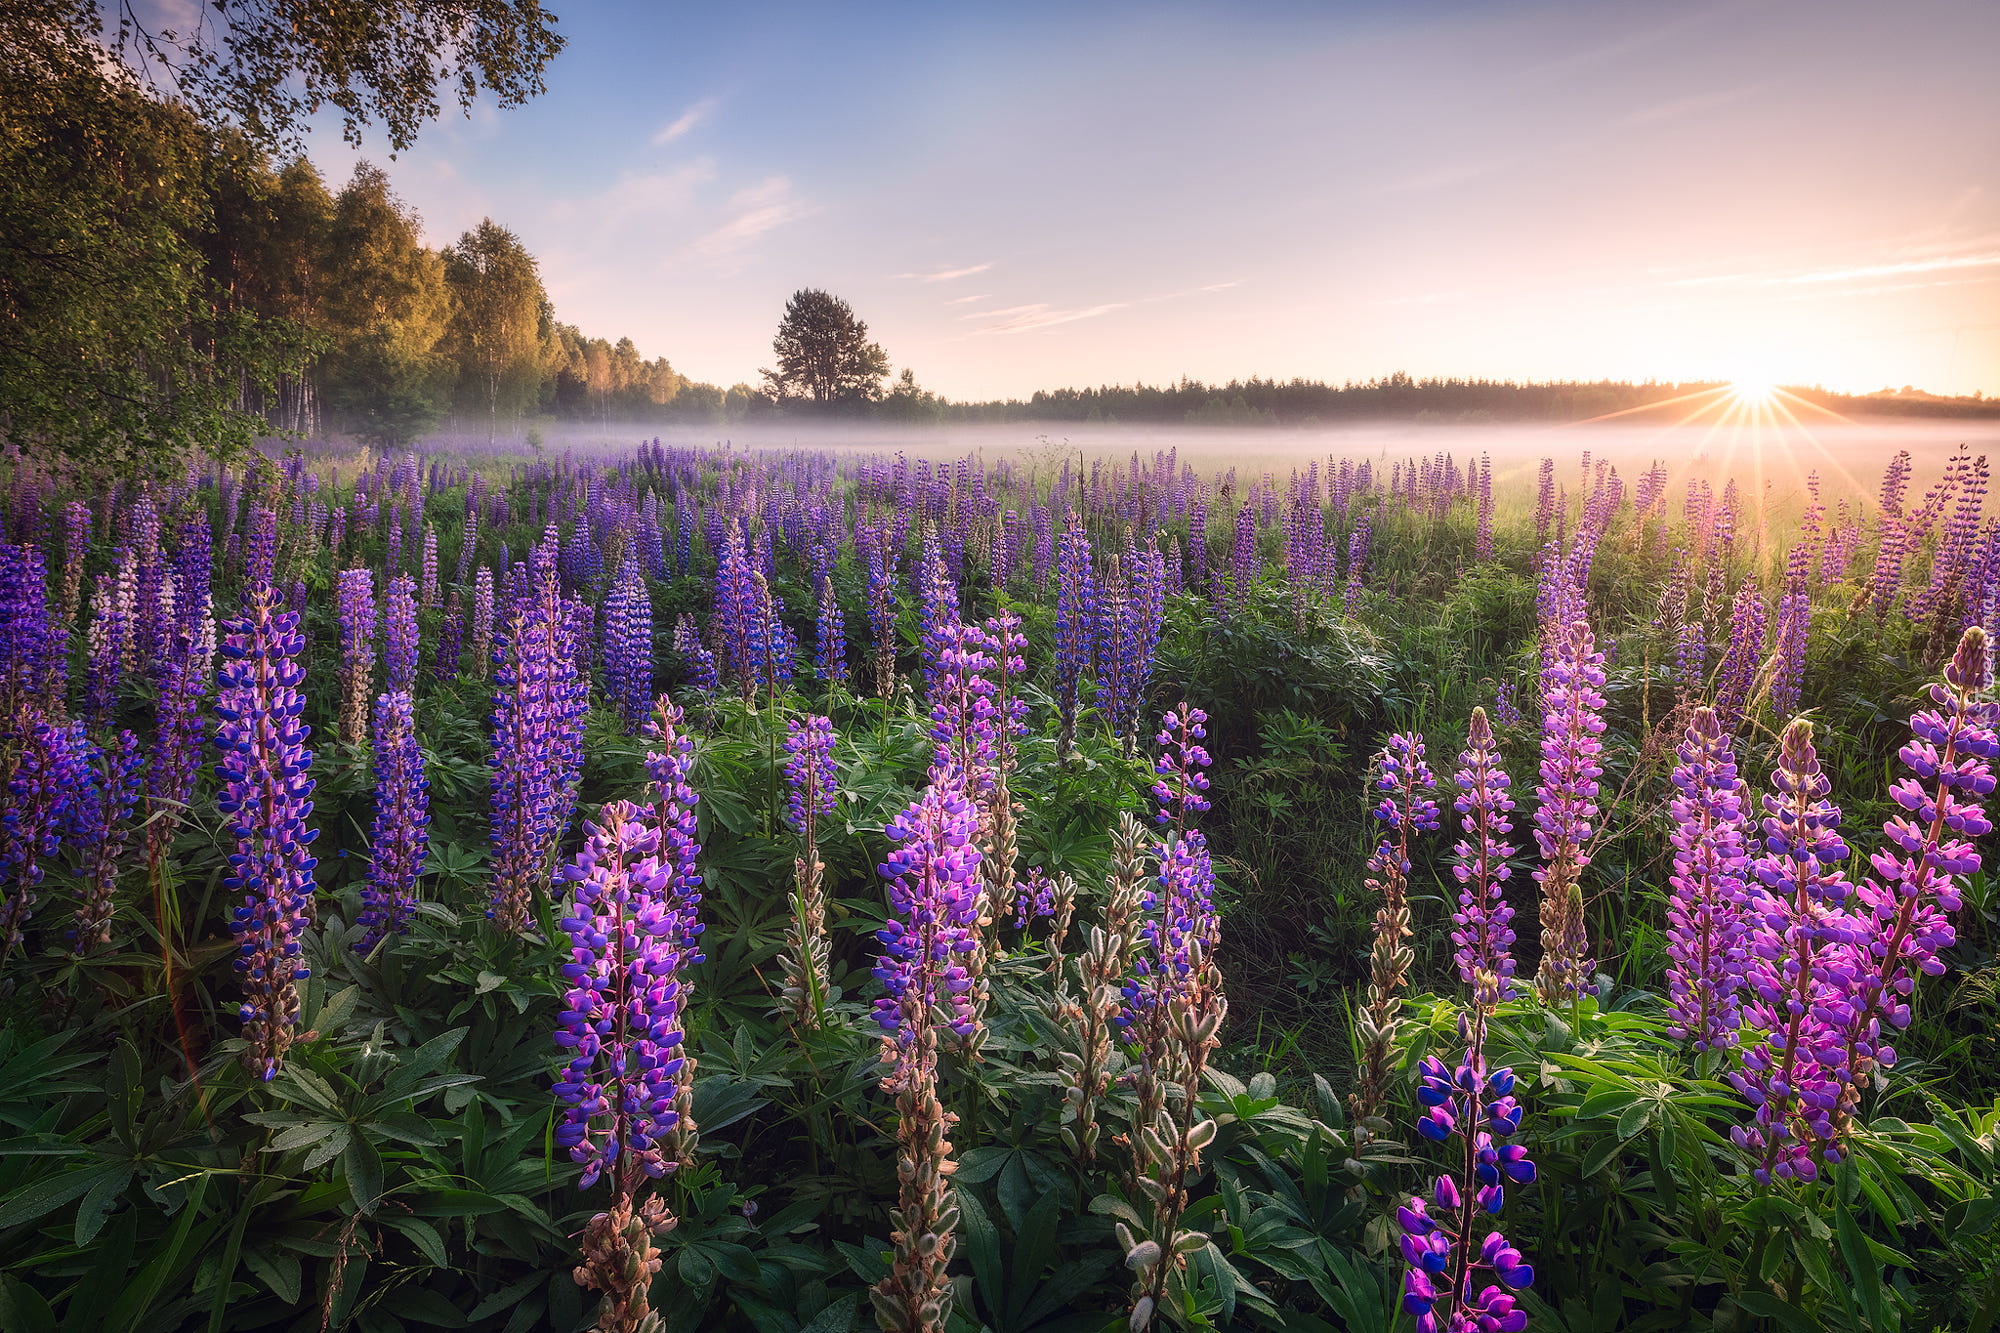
824 354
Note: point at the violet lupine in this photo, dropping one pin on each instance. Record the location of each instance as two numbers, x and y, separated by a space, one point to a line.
811 782
31 653
628 646
110 638
672 802
1708 914
1076 613
1172 1016
482 620
1244 566
76 549
1482 933
738 624
882 608
1737 675
355 599
400 643
700 662
1566 796
934 896
1441 1241
829 636
1917 882
1794 631
266 798
1793 1077
400 836
99 825
538 717
1407 808
630 937
1178 791
40 786
1000 822
175 761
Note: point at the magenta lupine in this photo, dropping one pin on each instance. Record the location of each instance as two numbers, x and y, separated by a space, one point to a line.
1482 933
628 646
1178 791
1708 914
356 606
631 935
1441 1241
1407 809
400 836
811 780
400 643
1566 796
1793 1077
538 717
671 802
99 826
1907 903
934 896
266 798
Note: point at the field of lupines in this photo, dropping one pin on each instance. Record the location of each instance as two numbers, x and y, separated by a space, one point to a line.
705 890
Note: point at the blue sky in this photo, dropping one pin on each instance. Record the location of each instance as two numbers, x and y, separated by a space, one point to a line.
1035 195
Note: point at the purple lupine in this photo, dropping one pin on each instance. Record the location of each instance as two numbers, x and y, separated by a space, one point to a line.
737 619
1181 782
1793 1077
538 717
1357 564
1408 809
1076 613
40 788
881 558
1794 631
482 620
399 837
1917 882
267 799
451 645
811 782
1483 541
429 587
700 662
1243 559
76 549
1482 933
1440 1239
671 801
1708 913
829 636
934 898
630 935
1171 1015
175 762
1572 722
628 646
962 712
356 605
1738 672
31 654
110 638
99 825
400 643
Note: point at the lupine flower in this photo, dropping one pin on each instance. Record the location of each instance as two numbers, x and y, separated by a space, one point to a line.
267 799
671 801
538 719
1572 722
482 620
628 646
1738 672
1482 931
1173 1010
1440 1240
399 836
40 789
1179 788
110 637
811 781
961 705
1076 613
1406 782
356 605
700 661
1917 882
1708 914
400 643
31 654
737 619
630 938
933 876
175 762
882 608
99 825
829 636
1793 1078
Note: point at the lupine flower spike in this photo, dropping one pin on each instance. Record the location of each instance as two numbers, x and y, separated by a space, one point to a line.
1708 915
1481 929
1407 808
1447 1256
400 836
809 771
1572 722
267 800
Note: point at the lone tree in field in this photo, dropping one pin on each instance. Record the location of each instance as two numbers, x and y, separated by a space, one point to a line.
824 353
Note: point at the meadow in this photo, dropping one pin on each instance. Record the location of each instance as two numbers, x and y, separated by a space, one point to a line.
793 886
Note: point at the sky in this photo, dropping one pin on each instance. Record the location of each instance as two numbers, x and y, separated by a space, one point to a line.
1027 196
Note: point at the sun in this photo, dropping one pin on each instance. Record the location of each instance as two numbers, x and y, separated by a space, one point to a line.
1753 391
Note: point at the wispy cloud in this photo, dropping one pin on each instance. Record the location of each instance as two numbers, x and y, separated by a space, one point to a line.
757 209
947 274
1852 272
686 121
1022 318
967 300
1679 108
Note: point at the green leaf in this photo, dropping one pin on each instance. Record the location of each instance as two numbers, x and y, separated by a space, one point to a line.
423 1306
835 1318
99 1202
22 1309
425 1236
276 1269
1605 1103
362 1166
40 1197
1034 1246
982 1248
1867 1279
1766 1306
